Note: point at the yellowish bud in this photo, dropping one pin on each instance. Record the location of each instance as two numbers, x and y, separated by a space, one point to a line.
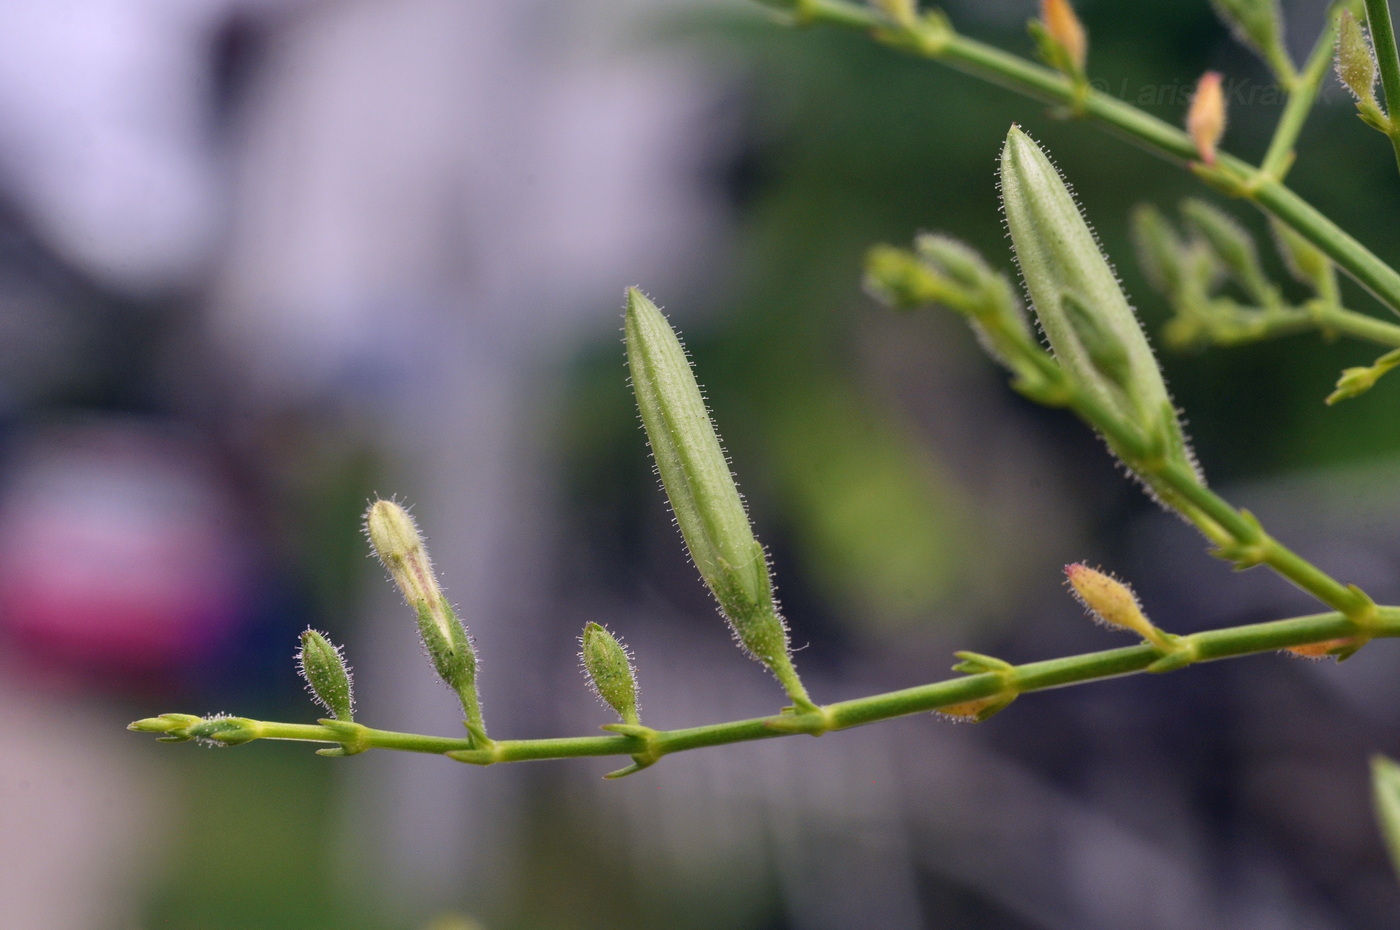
1205 121
1111 602
399 545
1064 27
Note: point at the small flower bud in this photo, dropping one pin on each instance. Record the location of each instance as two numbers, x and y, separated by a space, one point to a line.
322 664
1111 602
1357 381
1235 248
175 727
608 667
701 489
1356 59
1257 24
898 279
398 544
1161 252
222 731
1067 32
942 270
1058 256
1205 120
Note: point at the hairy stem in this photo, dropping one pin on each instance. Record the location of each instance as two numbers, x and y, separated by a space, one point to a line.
1017 679
1388 59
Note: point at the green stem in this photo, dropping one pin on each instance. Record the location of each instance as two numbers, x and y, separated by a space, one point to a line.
1357 325
933 38
1206 646
1300 102
1215 517
1388 59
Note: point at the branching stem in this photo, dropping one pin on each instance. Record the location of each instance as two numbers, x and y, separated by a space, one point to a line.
1388 59
1033 676
934 38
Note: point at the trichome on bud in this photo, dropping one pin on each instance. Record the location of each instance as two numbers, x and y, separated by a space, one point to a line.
322 664
702 492
608 666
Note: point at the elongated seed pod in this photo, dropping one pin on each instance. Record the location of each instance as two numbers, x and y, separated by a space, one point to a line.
698 483
1067 277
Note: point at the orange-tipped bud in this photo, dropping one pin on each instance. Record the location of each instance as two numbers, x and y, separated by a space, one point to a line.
978 710
1323 649
1111 602
1205 121
1065 28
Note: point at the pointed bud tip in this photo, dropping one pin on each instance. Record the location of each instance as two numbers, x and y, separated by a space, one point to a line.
1063 25
607 665
391 530
322 666
1109 600
1205 120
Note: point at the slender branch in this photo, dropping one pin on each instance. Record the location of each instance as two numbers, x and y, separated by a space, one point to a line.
1388 58
1206 646
1357 325
1301 97
1256 324
1238 534
932 37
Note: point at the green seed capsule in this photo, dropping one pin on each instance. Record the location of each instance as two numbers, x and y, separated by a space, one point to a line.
398 544
609 670
1356 60
703 496
1068 277
322 664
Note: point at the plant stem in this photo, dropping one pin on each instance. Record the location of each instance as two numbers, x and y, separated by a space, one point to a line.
1034 676
1388 59
1357 325
933 38
1300 102
1239 535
